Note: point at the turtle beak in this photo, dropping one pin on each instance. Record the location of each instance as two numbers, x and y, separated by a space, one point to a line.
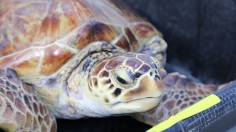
145 97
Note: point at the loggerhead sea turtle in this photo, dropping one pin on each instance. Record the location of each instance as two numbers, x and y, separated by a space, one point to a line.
81 58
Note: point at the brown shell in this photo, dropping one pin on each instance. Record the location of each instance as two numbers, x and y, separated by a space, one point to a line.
38 37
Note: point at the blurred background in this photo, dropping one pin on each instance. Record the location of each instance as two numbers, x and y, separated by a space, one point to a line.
201 37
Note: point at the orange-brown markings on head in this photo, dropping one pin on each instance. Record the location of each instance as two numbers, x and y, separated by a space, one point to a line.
114 63
95 31
98 68
54 58
143 31
132 40
123 43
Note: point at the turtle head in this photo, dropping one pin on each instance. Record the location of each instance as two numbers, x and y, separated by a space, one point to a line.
126 83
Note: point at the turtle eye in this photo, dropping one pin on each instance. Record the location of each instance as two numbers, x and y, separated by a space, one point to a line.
121 80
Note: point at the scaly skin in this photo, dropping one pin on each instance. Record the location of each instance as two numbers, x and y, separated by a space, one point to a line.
20 106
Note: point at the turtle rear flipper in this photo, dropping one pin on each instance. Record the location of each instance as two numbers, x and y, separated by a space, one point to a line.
20 106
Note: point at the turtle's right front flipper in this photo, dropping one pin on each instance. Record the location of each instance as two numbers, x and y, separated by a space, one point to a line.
20 107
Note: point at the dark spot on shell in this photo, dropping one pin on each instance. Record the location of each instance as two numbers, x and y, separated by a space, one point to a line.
117 92
10 96
181 92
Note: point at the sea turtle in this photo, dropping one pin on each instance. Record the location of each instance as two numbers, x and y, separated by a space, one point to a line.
81 58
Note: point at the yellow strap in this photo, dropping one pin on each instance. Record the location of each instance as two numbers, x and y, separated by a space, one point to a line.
196 108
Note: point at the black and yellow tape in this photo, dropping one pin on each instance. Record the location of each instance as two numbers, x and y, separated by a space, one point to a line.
196 108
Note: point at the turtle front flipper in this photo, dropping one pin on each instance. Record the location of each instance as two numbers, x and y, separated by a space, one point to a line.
179 93
20 107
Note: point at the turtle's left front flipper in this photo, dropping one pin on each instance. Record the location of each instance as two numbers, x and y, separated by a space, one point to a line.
20 106
179 93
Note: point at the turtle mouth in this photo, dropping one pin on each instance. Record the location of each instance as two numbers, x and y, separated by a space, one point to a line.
140 99
136 105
